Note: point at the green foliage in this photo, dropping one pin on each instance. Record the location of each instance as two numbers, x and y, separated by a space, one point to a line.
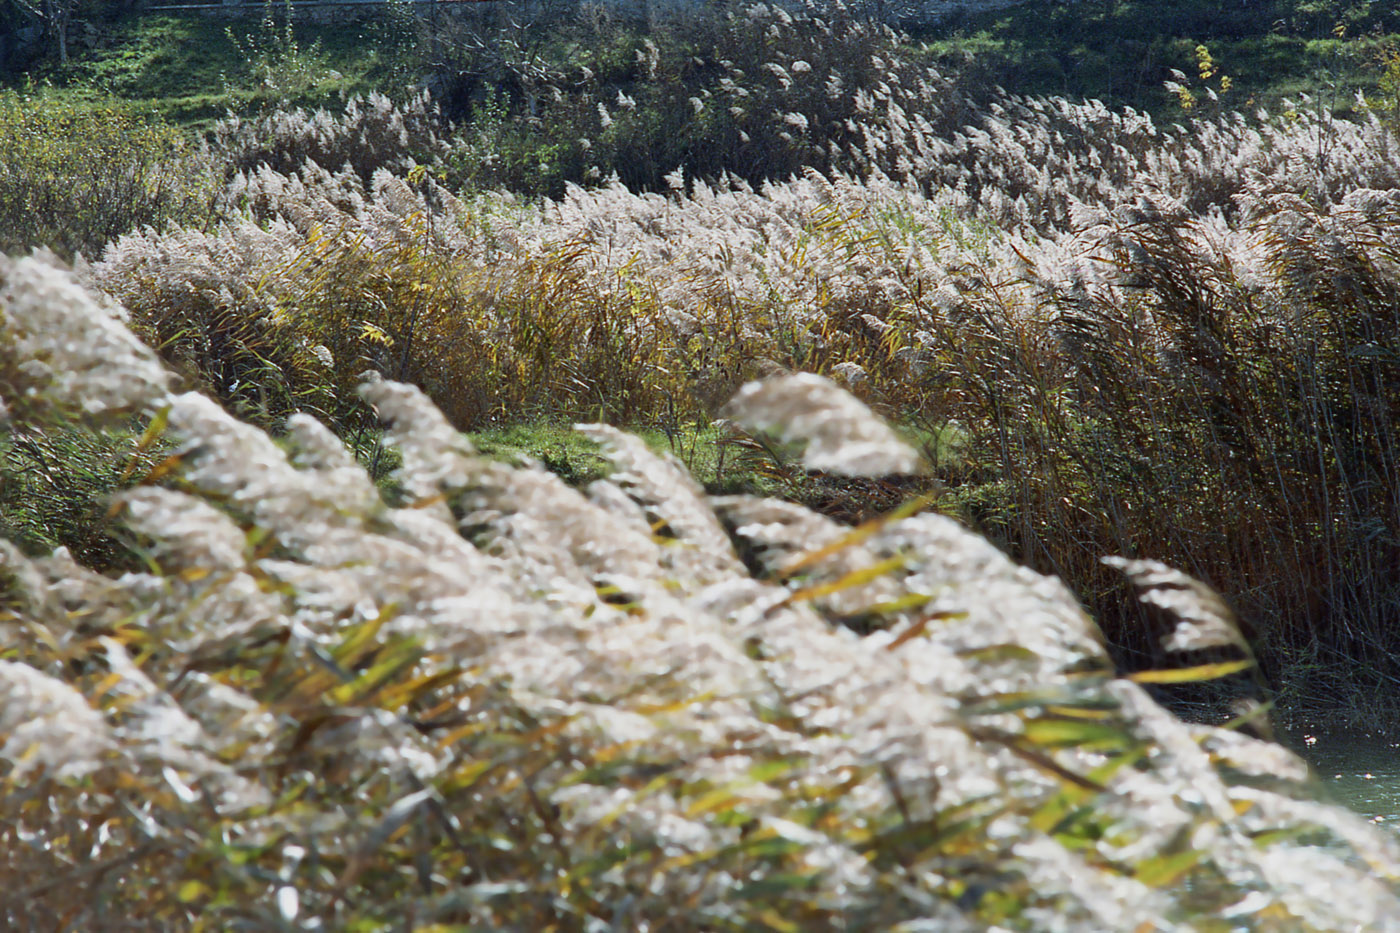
1123 51
723 459
195 69
56 481
275 60
1120 52
1386 100
1206 70
74 177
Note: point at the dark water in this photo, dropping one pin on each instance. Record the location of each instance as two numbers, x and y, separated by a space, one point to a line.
1360 770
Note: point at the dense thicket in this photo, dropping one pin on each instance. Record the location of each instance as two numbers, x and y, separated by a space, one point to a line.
261 684
1168 342
506 703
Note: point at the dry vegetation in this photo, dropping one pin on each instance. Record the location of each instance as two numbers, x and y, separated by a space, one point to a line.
1171 342
507 703
289 692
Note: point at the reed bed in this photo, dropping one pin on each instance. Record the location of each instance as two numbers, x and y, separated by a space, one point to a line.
501 702
474 696
1166 342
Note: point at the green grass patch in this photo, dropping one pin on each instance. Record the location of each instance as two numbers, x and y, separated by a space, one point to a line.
56 485
712 454
727 462
193 69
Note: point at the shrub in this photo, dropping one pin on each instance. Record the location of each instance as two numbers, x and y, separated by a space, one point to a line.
74 177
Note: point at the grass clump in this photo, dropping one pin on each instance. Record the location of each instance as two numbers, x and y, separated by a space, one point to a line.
55 485
1218 432
373 284
964 297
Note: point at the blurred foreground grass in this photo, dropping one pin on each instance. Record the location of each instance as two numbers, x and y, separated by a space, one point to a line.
499 701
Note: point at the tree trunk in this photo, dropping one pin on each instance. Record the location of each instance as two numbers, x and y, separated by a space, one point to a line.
57 14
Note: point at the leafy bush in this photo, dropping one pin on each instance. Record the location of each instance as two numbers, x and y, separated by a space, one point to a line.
1386 99
510 704
74 177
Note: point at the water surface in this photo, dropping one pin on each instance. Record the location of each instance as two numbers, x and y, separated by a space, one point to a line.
1361 770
